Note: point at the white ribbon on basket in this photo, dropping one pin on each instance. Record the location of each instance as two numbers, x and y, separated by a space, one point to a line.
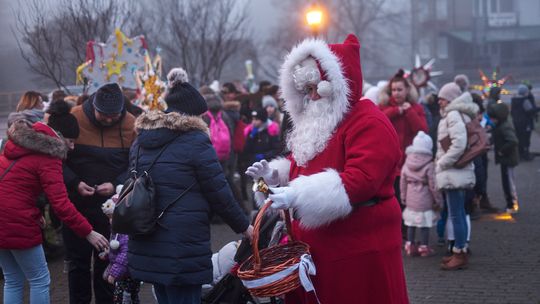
305 267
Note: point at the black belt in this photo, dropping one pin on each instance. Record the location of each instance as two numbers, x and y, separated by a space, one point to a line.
368 203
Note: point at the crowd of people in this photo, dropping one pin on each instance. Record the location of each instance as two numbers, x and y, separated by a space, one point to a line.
341 161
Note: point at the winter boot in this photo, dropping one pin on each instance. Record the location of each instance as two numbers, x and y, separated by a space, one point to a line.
425 251
458 260
410 249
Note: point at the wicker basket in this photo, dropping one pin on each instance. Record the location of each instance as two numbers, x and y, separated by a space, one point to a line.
272 260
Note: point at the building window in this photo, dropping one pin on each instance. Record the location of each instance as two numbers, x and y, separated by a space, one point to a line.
424 48
506 6
423 10
501 6
442 47
441 9
478 8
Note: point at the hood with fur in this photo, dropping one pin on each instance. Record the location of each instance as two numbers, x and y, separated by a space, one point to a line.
25 139
464 104
172 121
340 64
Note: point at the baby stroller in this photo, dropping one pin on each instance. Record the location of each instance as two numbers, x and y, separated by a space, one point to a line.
229 289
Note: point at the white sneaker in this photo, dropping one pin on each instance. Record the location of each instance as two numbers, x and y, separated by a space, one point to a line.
511 210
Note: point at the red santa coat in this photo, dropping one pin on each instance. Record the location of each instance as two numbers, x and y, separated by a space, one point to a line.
356 249
39 153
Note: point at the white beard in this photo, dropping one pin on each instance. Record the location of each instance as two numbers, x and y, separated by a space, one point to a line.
312 129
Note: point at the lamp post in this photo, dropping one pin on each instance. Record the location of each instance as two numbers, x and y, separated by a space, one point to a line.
314 18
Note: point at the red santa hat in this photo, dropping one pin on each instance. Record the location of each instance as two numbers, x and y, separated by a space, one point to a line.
339 77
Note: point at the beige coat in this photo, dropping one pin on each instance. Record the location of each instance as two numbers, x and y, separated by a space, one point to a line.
452 124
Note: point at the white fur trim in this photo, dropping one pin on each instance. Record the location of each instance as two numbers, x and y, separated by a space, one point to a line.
324 88
283 166
331 66
320 199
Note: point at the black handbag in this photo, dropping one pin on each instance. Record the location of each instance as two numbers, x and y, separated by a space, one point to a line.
135 212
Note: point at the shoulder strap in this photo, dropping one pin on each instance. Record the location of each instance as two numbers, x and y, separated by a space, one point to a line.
175 200
8 168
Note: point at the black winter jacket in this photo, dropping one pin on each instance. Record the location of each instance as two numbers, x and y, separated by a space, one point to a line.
179 252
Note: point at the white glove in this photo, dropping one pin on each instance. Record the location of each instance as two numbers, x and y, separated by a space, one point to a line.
282 197
262 169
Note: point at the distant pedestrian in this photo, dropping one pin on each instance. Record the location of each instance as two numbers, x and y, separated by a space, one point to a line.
419 194
523 114
457 110
506 152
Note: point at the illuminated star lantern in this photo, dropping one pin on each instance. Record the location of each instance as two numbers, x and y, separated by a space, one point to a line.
116 60
488 84
421 74
149 84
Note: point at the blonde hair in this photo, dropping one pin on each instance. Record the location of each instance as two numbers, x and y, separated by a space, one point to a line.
28 101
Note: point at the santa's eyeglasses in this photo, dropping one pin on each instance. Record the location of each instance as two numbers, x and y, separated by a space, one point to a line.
304 76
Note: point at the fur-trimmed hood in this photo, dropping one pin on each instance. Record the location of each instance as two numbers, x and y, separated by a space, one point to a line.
464 104
386 92
39 138
340 64
154 120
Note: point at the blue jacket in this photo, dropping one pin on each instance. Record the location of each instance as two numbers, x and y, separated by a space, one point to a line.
179 252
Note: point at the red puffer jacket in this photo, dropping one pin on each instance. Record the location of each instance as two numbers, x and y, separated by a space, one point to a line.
38 152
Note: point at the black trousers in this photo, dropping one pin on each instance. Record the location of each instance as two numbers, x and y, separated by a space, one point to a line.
80 252
509 186
524 139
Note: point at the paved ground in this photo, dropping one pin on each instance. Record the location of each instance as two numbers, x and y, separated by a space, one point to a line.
504 267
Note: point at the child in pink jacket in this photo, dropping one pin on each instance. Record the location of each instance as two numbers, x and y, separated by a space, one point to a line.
419 194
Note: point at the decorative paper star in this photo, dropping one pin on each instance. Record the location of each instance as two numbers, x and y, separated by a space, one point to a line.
114 67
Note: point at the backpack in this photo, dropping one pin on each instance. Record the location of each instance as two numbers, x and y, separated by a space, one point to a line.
477 143
220 136
135 213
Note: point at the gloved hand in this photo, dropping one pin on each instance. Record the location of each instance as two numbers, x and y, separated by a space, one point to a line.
262 169
282 197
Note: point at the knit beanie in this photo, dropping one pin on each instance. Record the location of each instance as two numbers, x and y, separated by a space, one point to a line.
268 100
61 120
462 81
260 114
109 99
422 143
523 90
450 91
182 97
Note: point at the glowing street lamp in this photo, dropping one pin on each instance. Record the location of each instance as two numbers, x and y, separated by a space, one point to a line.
314 18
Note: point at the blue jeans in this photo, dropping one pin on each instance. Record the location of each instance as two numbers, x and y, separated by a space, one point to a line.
186 294
21 265
456 212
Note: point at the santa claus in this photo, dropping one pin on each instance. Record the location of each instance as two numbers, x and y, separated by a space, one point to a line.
339 178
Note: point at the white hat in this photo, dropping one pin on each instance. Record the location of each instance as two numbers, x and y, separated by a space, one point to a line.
422 143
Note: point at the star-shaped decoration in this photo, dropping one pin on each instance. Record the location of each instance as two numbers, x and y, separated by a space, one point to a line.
114 67
488 83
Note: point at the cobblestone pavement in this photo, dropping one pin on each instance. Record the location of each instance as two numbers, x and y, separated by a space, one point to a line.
504 266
